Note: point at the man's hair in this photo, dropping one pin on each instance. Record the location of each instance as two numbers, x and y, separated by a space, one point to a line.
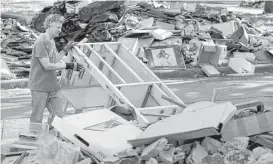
53 18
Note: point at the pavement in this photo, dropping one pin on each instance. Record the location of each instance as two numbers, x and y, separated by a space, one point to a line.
184 74
15 103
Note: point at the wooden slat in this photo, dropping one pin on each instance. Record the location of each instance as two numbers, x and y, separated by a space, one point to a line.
106 64
135 64
169 93
136 84
161 111
123 63
157 108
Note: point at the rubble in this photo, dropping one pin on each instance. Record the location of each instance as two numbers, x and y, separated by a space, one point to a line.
211 145
198 153
204 133
152 23
239 156
258 152
154 149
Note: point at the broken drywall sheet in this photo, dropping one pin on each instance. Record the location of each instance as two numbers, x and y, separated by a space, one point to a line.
228 28
209 121
248 126
102 133
241 66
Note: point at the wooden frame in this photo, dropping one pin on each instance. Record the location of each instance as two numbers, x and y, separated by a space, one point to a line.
165 57
114 76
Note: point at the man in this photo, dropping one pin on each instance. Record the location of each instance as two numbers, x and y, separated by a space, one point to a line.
45 90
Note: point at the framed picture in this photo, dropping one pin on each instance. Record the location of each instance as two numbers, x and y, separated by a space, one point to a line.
165 57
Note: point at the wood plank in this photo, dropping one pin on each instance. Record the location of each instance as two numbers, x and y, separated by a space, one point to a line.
173 101
124 73
169 92
150 112
135 64
123 62
137 84
106 64
105 82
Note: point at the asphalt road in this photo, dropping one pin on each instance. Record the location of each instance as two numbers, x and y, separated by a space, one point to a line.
15 103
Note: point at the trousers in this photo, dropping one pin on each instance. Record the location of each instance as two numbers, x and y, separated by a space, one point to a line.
53 101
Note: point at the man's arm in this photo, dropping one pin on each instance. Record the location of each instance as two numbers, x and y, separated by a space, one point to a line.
57 66
51 66
60 55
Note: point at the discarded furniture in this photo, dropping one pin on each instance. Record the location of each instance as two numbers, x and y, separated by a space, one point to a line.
113 76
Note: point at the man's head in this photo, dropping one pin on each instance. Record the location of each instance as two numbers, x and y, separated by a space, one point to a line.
53 24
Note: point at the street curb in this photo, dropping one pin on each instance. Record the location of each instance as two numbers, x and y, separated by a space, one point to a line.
162 74
193 72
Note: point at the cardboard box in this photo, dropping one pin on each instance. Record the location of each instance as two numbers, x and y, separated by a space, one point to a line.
211 54
248 126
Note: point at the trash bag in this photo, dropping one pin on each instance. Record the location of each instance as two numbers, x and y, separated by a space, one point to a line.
105 17
70 25
38 20
99 7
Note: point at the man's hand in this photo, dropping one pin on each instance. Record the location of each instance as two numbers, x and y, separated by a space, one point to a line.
74 66
69 45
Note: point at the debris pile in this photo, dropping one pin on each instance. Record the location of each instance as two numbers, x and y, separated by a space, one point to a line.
201 35
16 44
228 142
